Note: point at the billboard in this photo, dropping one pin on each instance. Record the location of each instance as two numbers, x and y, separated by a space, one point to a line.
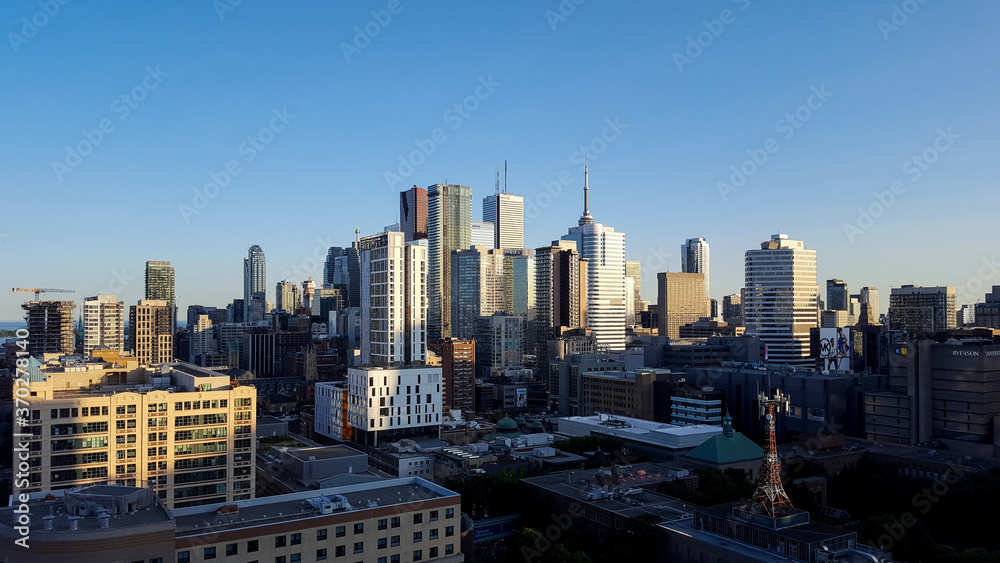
835 348
522 398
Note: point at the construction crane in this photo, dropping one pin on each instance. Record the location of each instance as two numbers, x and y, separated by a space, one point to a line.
38 291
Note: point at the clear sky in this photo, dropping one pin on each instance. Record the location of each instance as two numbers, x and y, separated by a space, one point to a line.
671 99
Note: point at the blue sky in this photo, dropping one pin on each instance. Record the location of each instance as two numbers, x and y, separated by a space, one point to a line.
548 83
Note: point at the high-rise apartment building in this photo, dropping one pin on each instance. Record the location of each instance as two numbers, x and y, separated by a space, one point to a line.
604 250
869 296
50 325
329 265
633 269
393 300
254 284
732 308
780 304
680 300
288 297
103 323
458 374
922 309
506 212
838 297
500 343
413 214
560 293
203 340
184 431
695 259
160 285
449 222
478 287
150 333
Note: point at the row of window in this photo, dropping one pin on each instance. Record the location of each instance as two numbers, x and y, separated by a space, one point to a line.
210 553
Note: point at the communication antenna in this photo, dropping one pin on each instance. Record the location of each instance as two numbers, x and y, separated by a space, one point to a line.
505 176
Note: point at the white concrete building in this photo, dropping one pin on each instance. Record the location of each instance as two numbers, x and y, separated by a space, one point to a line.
103 323
389 404
506 212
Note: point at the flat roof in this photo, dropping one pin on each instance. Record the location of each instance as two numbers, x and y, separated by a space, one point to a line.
294 506
326 452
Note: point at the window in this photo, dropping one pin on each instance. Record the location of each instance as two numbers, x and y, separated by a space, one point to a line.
418 537
449 513
383 524
383 543
321 534
359 547
232 549
382 560
418 555
433 553
341 530
210 553
278 559
341 551
252 546
449 549
434 515
394 540
183 557
434 534
449 531
279 541
359 528
295 558
296 539
321 554
394 559
418 518
395 522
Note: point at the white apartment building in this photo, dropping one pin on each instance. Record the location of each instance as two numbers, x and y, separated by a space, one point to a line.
103 323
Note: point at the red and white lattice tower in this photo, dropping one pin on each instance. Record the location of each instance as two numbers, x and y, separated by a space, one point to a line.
770 494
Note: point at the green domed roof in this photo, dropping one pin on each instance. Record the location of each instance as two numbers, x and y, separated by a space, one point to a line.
520 420
506 423
536 424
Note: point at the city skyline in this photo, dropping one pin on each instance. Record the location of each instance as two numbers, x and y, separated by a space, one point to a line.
894 123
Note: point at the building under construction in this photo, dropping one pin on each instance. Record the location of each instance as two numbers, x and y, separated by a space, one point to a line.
50 327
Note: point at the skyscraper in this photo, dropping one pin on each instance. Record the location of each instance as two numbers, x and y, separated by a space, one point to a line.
838 297
560 293
695 259
680 299
330 267
254 284
160 285
633 269
780 305
922 309
150 331
449 221
604 250
50 324
482 233
477 288
458 373
413 213
393 301
506 212
288 297
869 296
103 323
